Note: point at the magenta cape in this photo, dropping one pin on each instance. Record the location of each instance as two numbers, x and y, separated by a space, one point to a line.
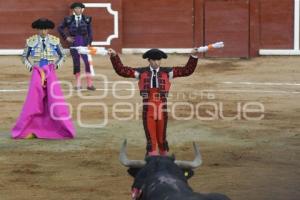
45 112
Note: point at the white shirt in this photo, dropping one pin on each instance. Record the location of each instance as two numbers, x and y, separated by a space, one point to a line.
46 42
157 70
78 19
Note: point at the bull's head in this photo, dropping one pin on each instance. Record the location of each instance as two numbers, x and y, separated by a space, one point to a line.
141 163
165 163
162 177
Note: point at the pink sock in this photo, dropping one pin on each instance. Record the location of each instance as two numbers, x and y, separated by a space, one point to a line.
89 80
163 153
152 153
77 77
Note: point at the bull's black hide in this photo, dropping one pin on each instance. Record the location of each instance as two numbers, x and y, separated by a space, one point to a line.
162 179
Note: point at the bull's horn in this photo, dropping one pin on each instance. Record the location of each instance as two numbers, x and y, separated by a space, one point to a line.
129 163
191 164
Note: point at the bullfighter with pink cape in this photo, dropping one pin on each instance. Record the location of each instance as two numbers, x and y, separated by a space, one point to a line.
45 113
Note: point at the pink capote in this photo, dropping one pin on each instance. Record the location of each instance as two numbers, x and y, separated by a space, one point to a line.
40 102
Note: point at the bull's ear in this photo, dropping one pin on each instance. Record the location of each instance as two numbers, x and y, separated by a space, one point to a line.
133 171
188 173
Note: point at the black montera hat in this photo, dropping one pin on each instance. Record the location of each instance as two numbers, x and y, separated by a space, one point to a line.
43 23
77 4
154 54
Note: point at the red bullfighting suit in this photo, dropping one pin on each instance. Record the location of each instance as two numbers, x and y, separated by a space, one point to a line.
154 86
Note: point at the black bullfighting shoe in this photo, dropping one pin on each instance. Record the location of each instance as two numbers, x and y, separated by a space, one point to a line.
92 88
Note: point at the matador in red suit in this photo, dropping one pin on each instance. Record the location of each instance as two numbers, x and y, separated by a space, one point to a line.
154 85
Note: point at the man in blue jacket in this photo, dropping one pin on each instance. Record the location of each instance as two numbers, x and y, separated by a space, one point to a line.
79 33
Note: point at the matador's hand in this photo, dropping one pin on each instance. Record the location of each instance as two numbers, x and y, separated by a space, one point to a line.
216 45
194 51
70 39
111 52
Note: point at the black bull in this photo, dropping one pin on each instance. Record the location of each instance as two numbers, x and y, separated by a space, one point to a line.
164 178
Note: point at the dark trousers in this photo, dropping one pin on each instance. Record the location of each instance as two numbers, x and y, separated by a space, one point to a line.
79 41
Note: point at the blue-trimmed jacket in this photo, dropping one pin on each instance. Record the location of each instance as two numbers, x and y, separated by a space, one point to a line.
43 51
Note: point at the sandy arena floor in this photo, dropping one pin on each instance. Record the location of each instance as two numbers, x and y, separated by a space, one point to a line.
244 158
